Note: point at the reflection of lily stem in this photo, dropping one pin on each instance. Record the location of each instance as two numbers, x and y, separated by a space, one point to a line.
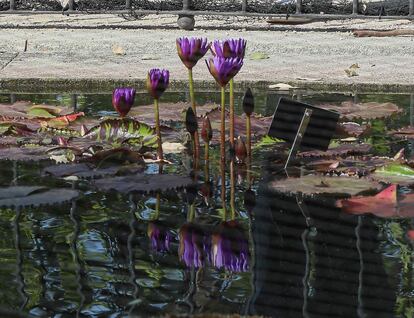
223 124
206 161
223 187
232 113
232 190
157 206
191 213
130 240
248 136
19 254
157 129
193 106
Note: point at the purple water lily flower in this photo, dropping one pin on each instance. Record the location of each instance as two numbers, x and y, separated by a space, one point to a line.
190 50
230 247
123 99
224 69
157 82
194 249
229 48
160 237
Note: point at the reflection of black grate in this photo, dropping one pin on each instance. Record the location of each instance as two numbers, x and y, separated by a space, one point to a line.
287 119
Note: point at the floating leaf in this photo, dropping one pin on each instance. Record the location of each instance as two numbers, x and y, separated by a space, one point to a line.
83 170
341 150
268 141
143 183
395 173
351 129
63 121
312 184
372 110
23 196
35 153
405 132
385 204
119 130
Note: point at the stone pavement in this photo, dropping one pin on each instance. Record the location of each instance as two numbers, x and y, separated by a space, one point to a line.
77 52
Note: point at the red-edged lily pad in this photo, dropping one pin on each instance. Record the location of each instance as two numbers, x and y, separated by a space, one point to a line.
404 133
386 204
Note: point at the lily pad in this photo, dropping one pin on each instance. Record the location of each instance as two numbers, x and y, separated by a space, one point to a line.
395 173
23 196
88 171
340 151
313 184
35 153
119 130
404 133
351 129
143 183
372 110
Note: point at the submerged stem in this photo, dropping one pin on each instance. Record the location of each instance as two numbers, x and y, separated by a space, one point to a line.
157 129
223 125
232 113
248 136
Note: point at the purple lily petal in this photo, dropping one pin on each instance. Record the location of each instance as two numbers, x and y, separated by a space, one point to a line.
190 50
229 48
123 99
224 69
157 82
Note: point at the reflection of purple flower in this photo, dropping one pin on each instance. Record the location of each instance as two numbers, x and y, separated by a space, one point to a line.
190 50
224 69
160 237
157 82
123 100
194 245
230 247
229 48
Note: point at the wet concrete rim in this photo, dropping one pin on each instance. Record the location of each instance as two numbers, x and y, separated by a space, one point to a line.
96 85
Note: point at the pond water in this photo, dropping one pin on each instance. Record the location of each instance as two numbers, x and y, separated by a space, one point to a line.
116 254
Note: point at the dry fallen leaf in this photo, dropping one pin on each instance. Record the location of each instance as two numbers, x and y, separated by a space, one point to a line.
118 50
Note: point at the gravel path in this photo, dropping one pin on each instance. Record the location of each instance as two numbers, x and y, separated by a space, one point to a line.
307 56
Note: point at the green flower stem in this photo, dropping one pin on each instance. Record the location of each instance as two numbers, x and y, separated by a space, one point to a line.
193 106
157 129
223 125
232 113
191 213
248 136
232 191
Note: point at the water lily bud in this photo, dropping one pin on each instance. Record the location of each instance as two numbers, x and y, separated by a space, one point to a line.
190 50
123 99
206 130
248 102
83 130
224 69
62 141
191 121
240 150
157 82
